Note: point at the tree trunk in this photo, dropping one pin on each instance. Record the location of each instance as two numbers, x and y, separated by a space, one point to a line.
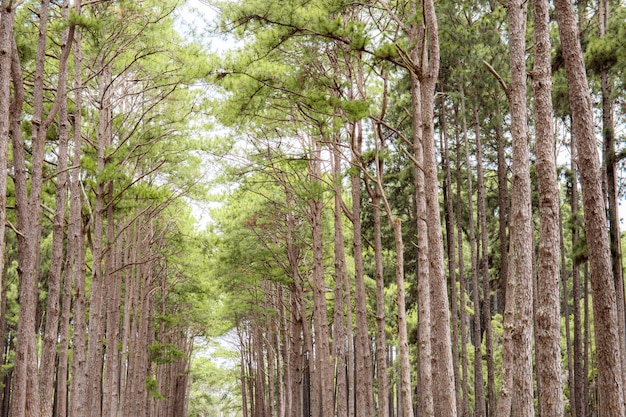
443 380
423 280
76 257
479 385
484 267
7 22
602 283
521 227
579 375
450 246
462 289
322 349
51 334
548 315
503 213
363 362
339 323
608 133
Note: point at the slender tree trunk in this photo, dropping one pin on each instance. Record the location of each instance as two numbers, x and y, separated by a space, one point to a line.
579 375
521 227
608 133
363 362
503 212
76 257
602 283
443 380
423 280
97 310
376 196
322 349
484 268
479 385
28 209
450 245
548 315
7 22
49 348
568 337
462 289
114 283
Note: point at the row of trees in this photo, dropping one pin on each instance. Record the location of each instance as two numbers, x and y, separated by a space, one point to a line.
396 244
102 272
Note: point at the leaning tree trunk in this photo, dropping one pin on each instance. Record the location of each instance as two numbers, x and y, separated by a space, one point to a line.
602 284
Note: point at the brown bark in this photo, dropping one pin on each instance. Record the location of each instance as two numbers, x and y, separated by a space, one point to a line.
112 265
443 380
608 133
548 315
479 385
462 290
322 348
521 228
605 306
450 246
484 267
423 279
503 213
28 212
49 348
97 312
363 367
579 375
76 256
339 326
7 22
376 196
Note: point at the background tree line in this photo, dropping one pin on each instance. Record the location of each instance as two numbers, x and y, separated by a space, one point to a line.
421 220
102 271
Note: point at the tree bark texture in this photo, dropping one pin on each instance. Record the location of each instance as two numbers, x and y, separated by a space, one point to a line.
521 226
548 315
602 283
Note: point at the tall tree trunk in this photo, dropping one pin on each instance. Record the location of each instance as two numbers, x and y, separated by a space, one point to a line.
363 366
579 374
443 380
608 133
462 289
51 333
423 280
450 246
479 385
375 194
568 337
339 324
548 315
322 348
503 212
484 267
602 283
112 265
76 256
7 22
521 227
28 212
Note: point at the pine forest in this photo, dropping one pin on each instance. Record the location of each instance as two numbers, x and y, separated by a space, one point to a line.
312 208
